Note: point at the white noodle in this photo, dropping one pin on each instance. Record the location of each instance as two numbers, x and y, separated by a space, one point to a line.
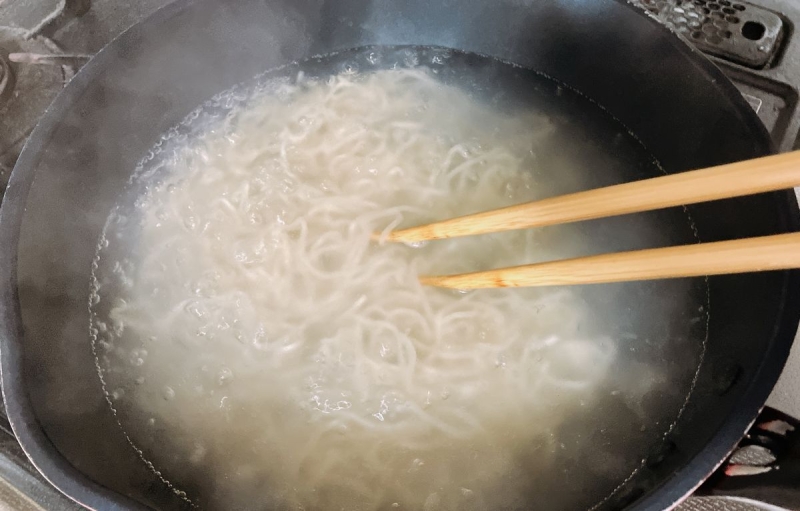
287 354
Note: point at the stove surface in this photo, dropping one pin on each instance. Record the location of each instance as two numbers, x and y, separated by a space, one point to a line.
44 42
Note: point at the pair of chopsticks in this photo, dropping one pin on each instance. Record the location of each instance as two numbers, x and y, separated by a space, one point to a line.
765 253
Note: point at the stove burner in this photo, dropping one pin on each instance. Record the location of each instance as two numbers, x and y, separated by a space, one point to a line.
26 89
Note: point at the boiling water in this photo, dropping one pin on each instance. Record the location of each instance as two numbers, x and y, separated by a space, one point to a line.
262 353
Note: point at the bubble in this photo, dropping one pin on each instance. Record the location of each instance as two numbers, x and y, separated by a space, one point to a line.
194 309
190 223
117 394
224 376
350 68
167 393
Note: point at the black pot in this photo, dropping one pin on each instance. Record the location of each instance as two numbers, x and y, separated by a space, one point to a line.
87 144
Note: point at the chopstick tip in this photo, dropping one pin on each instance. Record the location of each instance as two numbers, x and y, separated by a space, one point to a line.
441 281
408 236
428 281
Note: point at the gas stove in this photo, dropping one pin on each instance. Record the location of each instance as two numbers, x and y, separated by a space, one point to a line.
43 43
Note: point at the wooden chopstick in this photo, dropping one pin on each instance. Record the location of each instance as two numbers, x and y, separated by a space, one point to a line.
776 252
724 181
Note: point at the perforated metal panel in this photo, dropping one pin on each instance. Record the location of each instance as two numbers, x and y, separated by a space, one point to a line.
721 504
737 31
